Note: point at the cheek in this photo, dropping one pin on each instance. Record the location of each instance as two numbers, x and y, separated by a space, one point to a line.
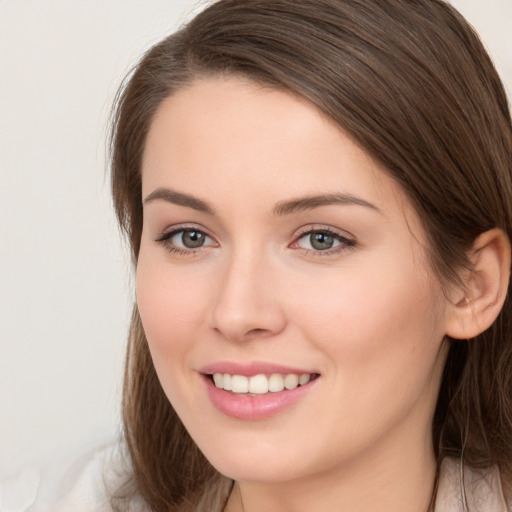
171 306
379 327
382 339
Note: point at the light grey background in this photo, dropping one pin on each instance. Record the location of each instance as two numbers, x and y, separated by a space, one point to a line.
65 288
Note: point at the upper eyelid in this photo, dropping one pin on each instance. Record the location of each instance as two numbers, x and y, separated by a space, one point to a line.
319 228
172 230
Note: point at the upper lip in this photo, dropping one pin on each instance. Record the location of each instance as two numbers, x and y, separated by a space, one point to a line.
251 368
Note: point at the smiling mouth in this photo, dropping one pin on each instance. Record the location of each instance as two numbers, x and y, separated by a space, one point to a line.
261 384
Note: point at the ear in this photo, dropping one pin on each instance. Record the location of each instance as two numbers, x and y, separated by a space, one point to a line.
474 307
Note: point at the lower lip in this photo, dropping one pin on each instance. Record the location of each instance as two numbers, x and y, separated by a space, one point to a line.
257 407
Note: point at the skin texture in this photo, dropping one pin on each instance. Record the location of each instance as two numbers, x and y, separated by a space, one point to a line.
368 316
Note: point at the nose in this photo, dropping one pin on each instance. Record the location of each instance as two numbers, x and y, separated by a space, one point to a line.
246 300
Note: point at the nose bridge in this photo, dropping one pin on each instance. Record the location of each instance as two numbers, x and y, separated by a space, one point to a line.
245 304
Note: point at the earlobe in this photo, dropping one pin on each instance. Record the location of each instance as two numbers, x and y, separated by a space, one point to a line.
479 303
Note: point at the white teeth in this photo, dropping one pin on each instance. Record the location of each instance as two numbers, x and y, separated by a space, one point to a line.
260 384
219 380
239 384
275 383
291 381
304 379
226 384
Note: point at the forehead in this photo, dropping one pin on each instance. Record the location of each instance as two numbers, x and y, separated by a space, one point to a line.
230 119
226 139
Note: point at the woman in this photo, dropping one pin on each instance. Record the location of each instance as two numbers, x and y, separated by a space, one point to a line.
318 198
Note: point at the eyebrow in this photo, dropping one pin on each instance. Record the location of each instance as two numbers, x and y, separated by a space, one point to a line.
316 201
171 196
282 208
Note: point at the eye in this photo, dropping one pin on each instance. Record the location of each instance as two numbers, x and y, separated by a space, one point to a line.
189 239
322 240
184 240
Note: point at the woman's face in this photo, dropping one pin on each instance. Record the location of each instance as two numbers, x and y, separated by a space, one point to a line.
275 251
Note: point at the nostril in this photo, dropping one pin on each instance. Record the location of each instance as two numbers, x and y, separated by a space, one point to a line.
255 331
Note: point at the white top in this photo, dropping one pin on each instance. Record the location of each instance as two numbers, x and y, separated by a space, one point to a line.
86 487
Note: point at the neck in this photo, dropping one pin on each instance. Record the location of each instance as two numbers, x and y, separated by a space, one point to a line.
384 479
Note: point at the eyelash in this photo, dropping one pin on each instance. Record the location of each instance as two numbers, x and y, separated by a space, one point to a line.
165 240
344 242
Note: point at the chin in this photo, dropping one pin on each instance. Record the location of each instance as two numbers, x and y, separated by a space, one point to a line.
247 471
256 462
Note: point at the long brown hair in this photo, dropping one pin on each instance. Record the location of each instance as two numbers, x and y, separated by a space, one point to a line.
410 81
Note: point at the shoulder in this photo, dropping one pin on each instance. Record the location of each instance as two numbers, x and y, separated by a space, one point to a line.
464 488
88 483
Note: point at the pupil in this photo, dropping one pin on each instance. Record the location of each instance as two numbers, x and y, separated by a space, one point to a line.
321 241
192 239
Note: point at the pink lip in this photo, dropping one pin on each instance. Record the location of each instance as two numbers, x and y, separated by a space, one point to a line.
252 368
255 407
